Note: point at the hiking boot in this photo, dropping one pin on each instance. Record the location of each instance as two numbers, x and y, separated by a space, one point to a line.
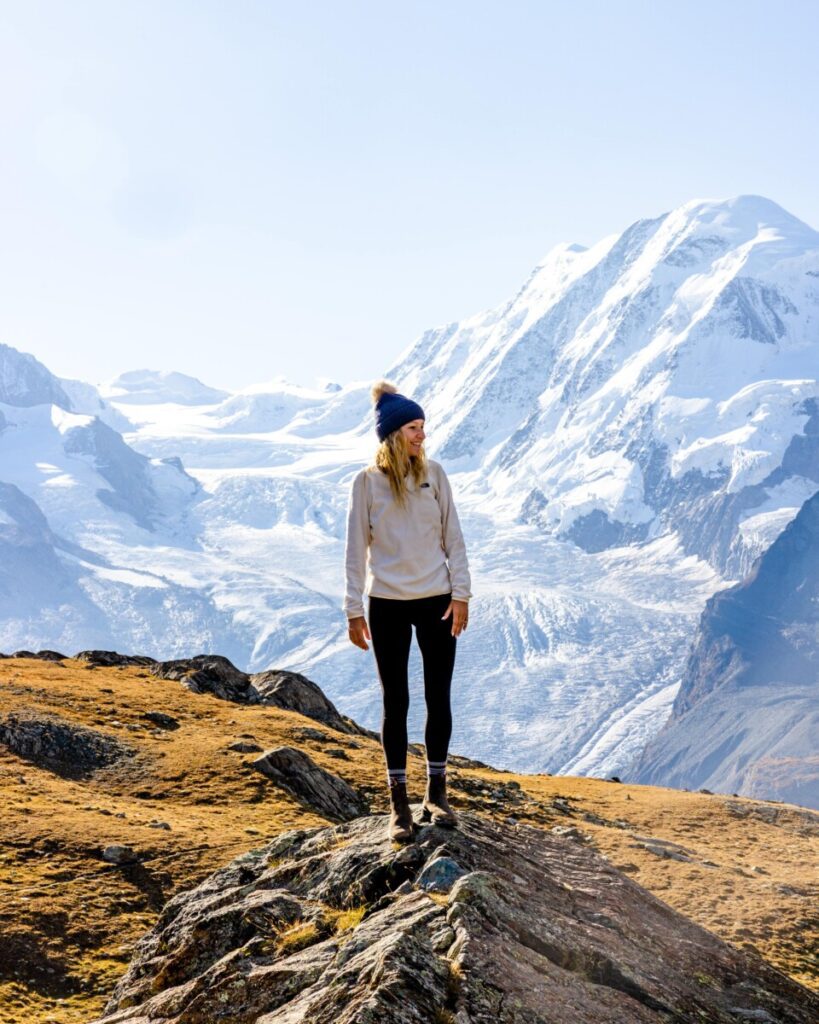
435 806
401 827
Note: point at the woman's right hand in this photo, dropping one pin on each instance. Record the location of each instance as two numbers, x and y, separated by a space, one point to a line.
359 632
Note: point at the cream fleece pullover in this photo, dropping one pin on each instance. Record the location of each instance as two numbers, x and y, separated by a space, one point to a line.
403 553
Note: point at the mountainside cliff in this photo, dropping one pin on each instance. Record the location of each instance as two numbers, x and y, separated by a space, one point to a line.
746 716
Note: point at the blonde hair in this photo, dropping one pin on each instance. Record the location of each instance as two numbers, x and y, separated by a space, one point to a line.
393 455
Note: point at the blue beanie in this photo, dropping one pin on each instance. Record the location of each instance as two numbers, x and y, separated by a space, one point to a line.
392 411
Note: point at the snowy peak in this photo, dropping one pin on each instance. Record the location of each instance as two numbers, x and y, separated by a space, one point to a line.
668 367
24 381
746 215
156 387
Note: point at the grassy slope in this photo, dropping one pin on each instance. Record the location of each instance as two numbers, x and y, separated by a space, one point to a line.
68 920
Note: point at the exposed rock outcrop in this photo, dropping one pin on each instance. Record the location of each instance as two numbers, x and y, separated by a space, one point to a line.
295 692
25 382
217 675
211 673
108 659
334 924
322 791
208 673
70 750
40 655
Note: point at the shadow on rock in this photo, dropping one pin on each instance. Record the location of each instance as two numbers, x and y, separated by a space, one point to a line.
488 923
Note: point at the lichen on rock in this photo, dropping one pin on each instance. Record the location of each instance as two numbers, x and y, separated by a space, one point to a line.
331 924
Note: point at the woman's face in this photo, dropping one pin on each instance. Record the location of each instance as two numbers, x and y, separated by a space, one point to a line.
414 433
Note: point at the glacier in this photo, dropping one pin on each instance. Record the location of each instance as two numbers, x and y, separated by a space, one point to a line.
625 437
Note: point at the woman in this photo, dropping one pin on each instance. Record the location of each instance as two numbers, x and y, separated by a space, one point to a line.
402 526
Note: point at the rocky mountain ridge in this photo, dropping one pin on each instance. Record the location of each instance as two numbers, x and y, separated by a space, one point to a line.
485 923
126 784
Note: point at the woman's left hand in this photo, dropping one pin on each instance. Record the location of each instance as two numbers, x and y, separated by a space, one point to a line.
460 616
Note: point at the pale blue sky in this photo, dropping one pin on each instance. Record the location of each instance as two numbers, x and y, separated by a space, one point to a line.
240 190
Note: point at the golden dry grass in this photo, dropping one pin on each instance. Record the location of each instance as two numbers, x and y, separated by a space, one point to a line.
68 920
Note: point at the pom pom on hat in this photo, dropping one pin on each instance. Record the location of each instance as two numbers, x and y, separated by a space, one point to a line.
392 410
382 387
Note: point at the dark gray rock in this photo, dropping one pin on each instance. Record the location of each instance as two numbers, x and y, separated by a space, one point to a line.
535 931
699 507
595 531
208 673
111 659
295 692
570 832
298 774
33 576
120 855
663 848
211 673
754 309
69 750
40 655
129 473
160 719
308 733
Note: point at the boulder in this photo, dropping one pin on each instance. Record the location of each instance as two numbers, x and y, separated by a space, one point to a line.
69 750
321 791
211 673
160 719
295 692
328 924
308 733
110 659
119 855
40 655
208 673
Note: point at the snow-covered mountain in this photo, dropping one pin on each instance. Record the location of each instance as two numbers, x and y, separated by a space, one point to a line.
624 437
653 382
747 716
152 387
79 510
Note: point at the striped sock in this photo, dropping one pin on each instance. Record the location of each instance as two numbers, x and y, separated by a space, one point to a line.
396 775
436 768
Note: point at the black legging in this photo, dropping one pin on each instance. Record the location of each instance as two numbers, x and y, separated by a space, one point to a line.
391 623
